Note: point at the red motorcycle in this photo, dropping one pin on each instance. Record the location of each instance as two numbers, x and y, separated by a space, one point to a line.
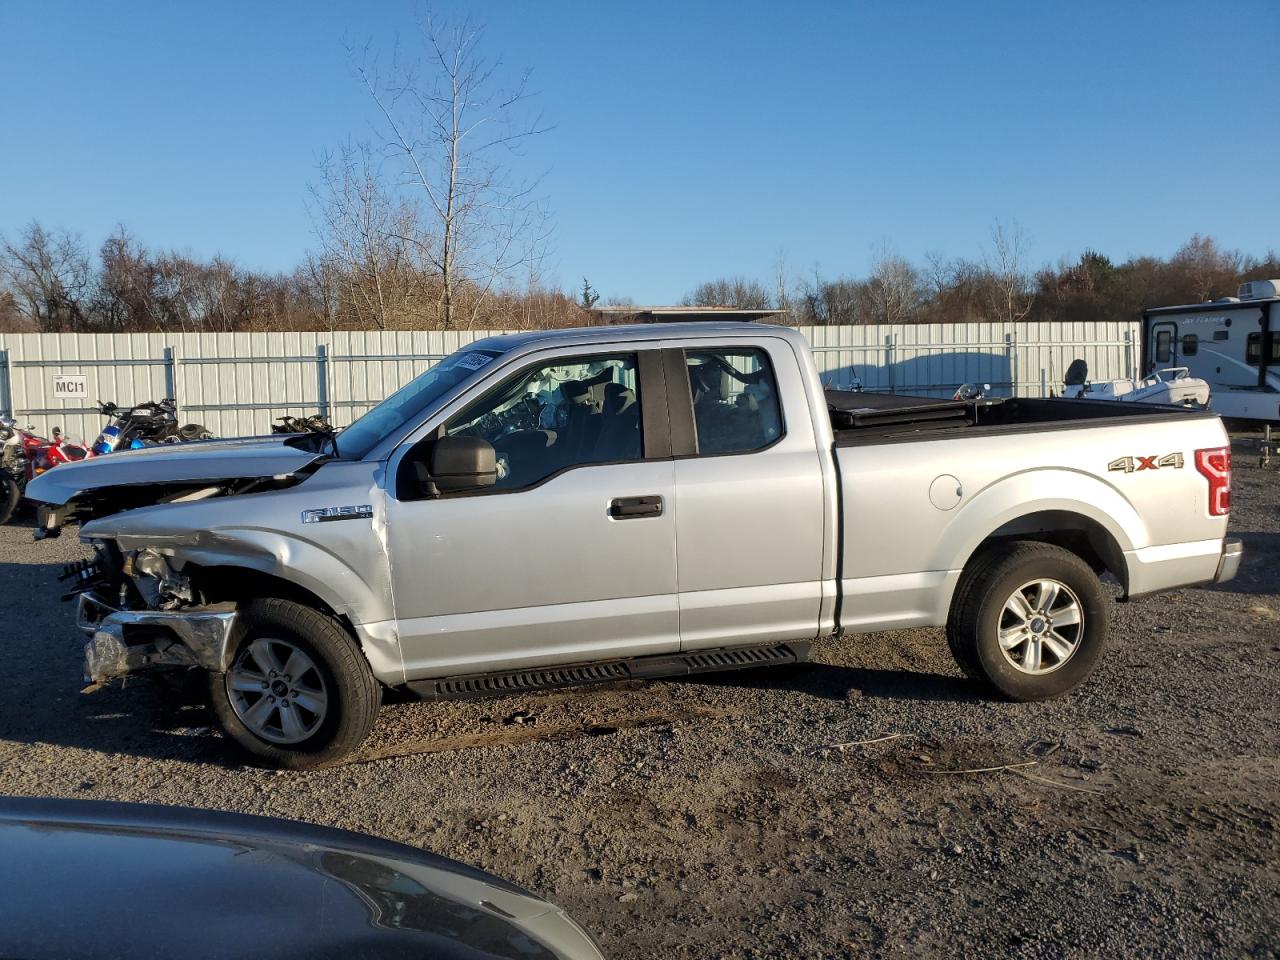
25 455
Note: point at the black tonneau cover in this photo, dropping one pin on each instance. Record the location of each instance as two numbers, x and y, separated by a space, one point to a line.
860 418
849 410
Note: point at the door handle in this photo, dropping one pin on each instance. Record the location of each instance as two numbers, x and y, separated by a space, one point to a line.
625 508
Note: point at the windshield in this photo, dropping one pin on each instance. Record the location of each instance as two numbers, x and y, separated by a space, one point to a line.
395 412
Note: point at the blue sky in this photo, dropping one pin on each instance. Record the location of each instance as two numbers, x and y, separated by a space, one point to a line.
692 139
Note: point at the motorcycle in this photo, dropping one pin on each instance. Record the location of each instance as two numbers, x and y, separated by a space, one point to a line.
25 455
145 425
312 424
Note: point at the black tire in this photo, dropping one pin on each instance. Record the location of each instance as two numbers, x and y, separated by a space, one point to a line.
350 685
10 497
193 431
988 583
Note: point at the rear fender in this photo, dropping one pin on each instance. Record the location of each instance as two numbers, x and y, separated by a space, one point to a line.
1020 495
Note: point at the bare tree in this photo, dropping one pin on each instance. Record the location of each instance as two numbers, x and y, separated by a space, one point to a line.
730 292
447 117
781 284
11 320
126 290
1011 293
893 288
49 275
1204 269
368 236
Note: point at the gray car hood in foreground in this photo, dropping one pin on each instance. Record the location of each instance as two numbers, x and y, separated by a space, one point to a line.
211 460
96 880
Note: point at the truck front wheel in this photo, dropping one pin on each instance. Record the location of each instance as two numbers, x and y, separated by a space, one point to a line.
299 693
1029 620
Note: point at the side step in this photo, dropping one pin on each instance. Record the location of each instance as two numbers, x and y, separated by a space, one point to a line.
609 671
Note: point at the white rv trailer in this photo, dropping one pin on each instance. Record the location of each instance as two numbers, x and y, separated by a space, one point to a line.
1233 343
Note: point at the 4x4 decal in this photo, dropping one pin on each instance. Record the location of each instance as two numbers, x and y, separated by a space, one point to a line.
1153 462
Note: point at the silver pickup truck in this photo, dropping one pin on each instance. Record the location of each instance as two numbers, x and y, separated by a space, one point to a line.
559 508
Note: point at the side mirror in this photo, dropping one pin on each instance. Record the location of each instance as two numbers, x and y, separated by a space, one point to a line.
463 463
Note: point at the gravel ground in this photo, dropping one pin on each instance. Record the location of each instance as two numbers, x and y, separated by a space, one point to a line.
715 818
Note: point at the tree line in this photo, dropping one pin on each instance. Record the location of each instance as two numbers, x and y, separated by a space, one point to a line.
999 286
50 282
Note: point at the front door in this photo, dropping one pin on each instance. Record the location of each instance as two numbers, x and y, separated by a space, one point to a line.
570 557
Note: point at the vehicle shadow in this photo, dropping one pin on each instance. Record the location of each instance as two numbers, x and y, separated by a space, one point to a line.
835 682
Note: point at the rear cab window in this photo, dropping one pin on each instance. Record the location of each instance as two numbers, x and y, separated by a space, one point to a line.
735 400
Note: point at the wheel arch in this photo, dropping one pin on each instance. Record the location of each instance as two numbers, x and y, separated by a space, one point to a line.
223 582
1076 532
1095 521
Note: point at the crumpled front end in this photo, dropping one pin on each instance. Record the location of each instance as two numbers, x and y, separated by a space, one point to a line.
130 641
139 614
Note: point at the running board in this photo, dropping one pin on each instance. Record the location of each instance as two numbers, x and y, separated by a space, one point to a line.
609 671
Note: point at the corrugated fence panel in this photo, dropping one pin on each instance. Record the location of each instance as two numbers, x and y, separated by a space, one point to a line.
1026 359
238 383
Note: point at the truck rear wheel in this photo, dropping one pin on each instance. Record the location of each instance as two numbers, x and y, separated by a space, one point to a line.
1029 620
299 693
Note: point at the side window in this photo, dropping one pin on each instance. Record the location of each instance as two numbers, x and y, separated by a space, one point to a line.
735 400
1164 346
1190 345
1253 349
558 415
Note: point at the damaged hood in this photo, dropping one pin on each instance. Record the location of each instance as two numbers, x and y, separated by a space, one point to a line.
210 460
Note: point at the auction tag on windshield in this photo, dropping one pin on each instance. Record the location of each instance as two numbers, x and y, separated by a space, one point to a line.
474 361
71 388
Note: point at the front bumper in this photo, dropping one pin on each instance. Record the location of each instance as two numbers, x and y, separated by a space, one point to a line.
1232 554
128 641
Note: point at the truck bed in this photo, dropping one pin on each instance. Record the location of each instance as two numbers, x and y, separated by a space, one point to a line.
858 418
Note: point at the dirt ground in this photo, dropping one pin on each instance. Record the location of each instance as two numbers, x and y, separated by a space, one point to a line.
832 809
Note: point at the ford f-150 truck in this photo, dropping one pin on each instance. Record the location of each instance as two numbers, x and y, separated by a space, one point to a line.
558 508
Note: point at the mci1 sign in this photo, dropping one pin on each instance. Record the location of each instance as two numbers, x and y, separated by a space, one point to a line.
71 388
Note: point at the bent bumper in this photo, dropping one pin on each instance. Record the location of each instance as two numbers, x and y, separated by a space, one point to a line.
1232 554
128 641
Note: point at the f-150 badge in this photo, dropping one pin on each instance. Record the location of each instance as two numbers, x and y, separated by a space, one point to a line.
1154 462
329 514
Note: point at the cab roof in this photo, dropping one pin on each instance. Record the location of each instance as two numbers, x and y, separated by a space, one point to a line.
629 333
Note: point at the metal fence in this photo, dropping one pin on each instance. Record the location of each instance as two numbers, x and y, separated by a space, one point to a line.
237 383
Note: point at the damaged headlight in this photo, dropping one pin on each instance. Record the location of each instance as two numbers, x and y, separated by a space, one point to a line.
161 587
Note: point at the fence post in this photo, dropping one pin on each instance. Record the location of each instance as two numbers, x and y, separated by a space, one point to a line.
171 375
1128 353
7 397
1011 358
888 359
322 378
